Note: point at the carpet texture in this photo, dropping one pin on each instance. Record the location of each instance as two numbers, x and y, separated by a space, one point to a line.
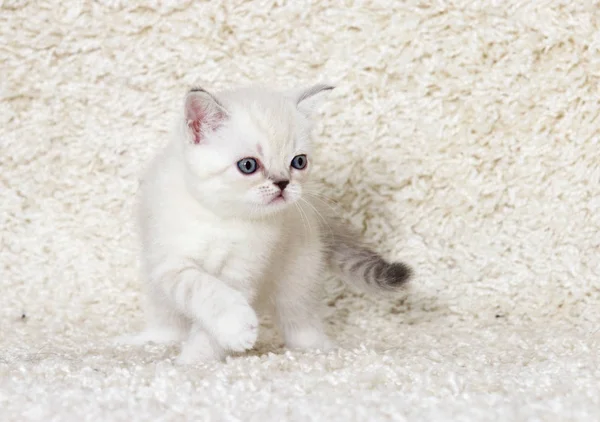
463 138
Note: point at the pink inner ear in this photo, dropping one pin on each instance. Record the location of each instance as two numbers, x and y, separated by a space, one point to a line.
195 115
201 117
195 126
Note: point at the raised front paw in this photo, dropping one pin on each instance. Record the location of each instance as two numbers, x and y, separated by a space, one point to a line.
236 327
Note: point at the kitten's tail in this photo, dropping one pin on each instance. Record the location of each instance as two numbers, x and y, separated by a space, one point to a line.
360 266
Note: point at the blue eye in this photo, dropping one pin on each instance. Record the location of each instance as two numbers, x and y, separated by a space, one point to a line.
247 165
299 161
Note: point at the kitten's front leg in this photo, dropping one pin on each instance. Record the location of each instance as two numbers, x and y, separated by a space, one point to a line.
199 347
221 311
298 304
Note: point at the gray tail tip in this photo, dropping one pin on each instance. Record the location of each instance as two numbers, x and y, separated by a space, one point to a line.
397 275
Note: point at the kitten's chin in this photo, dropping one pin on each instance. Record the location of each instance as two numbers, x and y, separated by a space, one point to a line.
273 207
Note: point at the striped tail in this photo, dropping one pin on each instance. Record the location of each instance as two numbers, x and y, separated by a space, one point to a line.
360 266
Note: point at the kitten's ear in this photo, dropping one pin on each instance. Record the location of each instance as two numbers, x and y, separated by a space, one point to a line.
203 114
309 99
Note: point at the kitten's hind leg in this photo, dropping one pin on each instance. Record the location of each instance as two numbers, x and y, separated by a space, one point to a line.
298 303
199 347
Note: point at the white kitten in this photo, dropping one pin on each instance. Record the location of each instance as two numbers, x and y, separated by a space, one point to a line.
226 221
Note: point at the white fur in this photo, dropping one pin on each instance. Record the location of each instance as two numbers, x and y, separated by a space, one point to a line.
213 244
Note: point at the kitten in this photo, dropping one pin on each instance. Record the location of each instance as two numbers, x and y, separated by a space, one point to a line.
227 218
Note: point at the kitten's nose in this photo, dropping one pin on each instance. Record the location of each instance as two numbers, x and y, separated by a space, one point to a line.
282 184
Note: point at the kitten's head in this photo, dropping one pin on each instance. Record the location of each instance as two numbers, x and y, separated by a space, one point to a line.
247 152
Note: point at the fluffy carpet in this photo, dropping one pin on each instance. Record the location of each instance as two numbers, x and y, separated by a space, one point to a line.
463 138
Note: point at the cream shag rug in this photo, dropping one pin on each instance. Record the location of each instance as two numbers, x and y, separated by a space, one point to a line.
463 138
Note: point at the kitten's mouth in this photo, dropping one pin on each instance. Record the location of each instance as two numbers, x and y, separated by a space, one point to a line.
277 199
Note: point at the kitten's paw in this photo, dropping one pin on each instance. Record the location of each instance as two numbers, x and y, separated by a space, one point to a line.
199 347
236 329
308 338
195 355
185 359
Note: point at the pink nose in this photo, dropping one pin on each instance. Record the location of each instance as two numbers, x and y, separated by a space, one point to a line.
282 184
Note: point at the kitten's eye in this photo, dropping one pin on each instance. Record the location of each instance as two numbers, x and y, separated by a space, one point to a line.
247 165
299 161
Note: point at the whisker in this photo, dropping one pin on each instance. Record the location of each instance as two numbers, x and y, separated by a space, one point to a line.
307 219
314 190
302 218
337 209
320 216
